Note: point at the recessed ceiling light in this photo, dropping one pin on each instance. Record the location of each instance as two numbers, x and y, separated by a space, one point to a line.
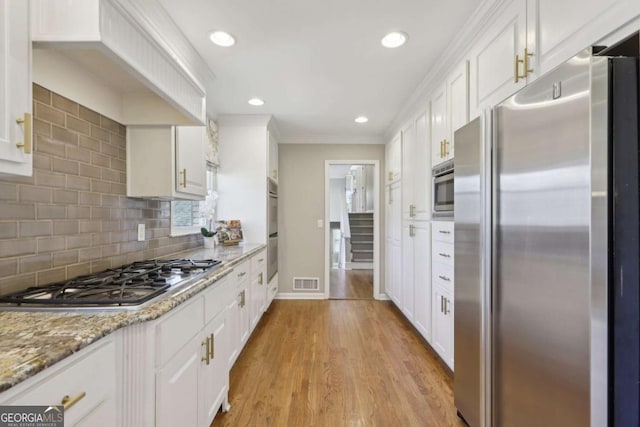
361 119
222 38
256 102
394 39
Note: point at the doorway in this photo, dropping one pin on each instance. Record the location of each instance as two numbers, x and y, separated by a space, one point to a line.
351 238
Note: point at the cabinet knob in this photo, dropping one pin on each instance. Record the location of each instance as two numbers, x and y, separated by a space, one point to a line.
27 124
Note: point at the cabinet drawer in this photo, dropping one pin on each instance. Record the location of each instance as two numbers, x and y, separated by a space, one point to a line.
242 271
92 371
443 231
259 266
442 274
175 331
217 297
442 252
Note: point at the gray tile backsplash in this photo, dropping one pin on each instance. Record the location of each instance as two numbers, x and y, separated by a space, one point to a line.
73 217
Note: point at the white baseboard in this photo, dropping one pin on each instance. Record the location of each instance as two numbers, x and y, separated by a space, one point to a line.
382 297
300 295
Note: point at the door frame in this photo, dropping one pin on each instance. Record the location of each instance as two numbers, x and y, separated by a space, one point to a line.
376 225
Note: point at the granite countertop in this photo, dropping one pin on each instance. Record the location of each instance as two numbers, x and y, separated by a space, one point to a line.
31 341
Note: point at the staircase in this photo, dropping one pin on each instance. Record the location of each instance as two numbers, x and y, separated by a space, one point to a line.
361 225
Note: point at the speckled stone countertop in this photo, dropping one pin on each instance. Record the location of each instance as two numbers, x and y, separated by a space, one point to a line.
31 341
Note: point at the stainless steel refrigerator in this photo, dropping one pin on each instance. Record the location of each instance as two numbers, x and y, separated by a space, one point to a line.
547 252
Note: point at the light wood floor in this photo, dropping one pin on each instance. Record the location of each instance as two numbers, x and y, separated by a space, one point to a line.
338 363
351 284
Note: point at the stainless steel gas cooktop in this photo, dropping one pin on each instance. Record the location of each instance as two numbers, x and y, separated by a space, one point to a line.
128 286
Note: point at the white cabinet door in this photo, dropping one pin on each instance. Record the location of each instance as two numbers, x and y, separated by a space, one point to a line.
407 270
492 59
439 125
273 157
191 167
408 156
394 214
177 385
394 159
258 287
442 332
564 28
422 169
422 278
245 318
233 324
15 89
395 276
458 104
214 374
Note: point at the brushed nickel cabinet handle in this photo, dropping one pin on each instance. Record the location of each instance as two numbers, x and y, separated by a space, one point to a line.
241 274
444 255
445 278
444 232
68 402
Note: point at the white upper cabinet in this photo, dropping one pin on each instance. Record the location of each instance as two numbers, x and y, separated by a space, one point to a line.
190 160
166 162
494 60
531 37
273 157
457 103
409 153
557 30
394 159
439 126
15 89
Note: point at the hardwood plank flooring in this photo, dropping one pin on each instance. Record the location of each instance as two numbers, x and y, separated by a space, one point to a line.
338 363
351 284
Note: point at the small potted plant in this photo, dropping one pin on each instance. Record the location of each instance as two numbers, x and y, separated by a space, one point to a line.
209 238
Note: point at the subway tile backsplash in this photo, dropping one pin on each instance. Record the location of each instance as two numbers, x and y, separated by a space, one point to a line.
73 217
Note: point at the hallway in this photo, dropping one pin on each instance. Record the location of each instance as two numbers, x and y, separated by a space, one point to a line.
351 284
338 363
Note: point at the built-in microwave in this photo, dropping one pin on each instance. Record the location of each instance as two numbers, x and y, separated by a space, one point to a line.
443 189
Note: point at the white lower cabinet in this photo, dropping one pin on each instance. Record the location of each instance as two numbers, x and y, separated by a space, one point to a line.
258 287
416 275
194 383
88 393
213 381
239 313
176 386
422 278
442 280
442 308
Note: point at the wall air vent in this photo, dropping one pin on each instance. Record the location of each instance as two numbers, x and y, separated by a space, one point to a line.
306 283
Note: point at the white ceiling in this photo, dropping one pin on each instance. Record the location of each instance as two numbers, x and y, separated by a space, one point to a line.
319 64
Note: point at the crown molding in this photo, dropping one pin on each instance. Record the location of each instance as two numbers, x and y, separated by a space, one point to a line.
332 139
237 120
453 54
